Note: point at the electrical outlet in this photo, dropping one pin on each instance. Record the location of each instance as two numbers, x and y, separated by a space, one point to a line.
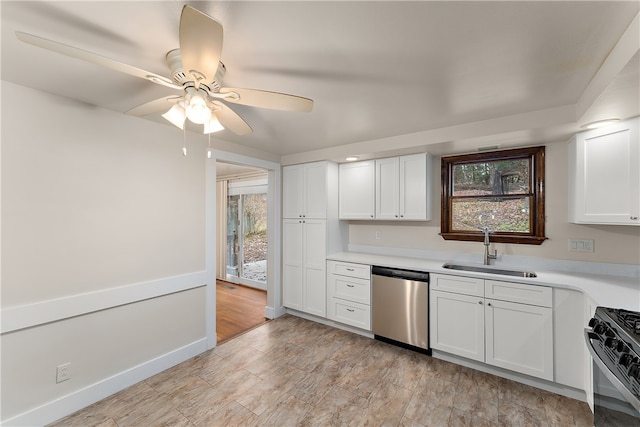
378 235
63 372
581 245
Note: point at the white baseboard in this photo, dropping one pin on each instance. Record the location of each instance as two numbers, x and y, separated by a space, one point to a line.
553 387
65 405
330 322
273 313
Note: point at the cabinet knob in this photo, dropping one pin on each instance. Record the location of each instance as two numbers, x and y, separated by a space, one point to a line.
401 216
480 302
634 218
371 216
396 216
489 304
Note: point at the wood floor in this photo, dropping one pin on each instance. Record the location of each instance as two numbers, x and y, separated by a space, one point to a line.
294 372
238 309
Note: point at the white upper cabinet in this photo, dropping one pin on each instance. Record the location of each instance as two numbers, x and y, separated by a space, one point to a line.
604 175
305 187
386 189
357 190
401 188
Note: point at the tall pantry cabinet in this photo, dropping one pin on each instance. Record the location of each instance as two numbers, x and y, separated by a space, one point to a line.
310 231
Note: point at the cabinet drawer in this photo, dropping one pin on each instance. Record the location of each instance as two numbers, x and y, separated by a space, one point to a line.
351 289
456 284
350 313
361 271
517 292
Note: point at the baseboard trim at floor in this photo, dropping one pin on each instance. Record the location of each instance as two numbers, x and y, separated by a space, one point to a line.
274 313
72 402
552 387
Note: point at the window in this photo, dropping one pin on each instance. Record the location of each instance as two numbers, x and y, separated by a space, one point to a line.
502 190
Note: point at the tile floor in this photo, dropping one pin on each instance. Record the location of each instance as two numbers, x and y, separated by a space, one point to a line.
294 372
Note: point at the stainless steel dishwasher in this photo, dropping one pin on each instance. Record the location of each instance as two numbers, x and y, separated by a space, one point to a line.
400 307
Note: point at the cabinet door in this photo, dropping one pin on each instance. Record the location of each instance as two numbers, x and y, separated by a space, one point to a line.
457 324
314 267
519 337
292 191
292 258
413 187
357 190
315 190
387 188
605 175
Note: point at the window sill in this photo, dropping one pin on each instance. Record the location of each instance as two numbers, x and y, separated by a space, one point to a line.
499 238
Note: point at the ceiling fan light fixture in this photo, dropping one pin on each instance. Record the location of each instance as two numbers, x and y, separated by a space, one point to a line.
197 110
176 115
213 125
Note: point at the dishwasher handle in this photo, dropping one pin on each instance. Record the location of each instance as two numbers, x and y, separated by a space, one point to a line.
418 276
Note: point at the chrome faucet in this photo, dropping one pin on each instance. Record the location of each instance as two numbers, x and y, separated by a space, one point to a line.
487 256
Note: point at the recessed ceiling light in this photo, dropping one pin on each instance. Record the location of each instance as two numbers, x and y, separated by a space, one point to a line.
599 124
352 158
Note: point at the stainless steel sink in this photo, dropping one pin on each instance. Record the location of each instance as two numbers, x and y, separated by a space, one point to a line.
490 270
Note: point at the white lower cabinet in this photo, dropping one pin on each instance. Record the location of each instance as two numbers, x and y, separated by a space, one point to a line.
514 332
457 324
519 337
349 294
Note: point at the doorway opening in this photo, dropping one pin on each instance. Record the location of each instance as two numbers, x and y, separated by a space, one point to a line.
247 237
241 270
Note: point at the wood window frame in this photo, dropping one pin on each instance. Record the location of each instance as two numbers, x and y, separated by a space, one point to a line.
537 202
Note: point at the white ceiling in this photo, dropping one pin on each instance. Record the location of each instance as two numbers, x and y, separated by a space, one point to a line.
448 75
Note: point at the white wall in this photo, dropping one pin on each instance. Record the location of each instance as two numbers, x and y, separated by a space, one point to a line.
613 244
103 252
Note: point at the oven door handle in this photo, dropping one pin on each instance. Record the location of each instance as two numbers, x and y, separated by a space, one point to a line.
633 400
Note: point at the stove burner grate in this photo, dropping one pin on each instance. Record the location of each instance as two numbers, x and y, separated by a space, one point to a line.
630 320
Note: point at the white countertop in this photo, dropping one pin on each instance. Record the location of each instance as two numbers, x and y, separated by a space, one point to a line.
605 290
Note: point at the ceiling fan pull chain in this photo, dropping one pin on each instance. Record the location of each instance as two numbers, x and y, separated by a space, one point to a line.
184 141
209 153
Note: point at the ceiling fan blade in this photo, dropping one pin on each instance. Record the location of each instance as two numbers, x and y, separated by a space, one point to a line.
200 44
159 105
75 52
230 120
266 99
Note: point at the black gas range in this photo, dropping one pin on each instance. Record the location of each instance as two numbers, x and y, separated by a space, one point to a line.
613 339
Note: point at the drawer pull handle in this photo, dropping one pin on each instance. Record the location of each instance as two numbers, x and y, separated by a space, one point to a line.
350 286
350 310
634 218
350 269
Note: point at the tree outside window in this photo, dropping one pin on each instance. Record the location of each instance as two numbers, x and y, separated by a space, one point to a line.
501 190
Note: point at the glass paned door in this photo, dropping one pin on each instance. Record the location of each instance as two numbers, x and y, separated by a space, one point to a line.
247 239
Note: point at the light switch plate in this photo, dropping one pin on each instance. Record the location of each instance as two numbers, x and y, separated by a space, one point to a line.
581 245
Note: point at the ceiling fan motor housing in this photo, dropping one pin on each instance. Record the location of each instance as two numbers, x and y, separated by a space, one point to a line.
178 75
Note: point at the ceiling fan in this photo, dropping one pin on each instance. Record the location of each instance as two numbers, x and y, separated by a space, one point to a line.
196 70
